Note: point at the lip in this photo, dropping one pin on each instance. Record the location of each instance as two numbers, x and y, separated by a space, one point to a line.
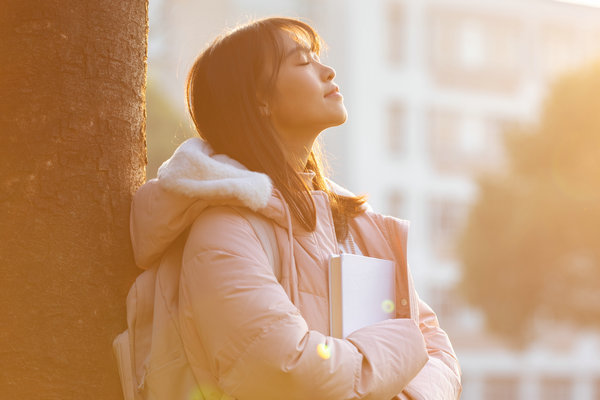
334 92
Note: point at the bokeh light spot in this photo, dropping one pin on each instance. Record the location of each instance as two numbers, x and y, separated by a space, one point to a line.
324 351
388 306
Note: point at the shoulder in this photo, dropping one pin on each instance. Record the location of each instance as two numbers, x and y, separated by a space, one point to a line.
394 229
219 213
218 218
222 238
222 227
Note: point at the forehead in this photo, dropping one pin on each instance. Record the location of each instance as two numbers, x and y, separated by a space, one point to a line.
288 42
294 43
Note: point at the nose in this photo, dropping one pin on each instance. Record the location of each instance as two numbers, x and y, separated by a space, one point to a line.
328 72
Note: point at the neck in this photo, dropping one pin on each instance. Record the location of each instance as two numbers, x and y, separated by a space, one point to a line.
298 162
298 149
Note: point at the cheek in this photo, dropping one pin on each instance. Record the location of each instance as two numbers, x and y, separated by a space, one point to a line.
299 89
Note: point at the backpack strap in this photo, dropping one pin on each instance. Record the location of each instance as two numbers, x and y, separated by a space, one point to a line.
266 234
136 339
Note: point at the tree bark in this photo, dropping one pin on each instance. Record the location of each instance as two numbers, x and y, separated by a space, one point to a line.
72 152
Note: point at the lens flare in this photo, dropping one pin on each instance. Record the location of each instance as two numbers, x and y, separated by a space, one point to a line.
196 394
205 391
324 351
388 306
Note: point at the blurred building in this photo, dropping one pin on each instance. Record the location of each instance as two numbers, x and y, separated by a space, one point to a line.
430 87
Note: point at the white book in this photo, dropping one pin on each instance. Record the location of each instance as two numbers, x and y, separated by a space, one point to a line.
361 292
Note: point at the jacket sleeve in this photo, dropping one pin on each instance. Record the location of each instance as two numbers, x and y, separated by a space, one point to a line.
257 344
440 378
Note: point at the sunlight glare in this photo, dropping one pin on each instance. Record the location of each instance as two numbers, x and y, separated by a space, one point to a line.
586 3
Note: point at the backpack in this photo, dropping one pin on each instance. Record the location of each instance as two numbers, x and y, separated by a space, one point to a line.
150 302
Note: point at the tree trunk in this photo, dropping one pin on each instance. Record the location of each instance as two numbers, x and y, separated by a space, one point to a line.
72 152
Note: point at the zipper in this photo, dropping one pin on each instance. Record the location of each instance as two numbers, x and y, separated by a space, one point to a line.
351 242
331 224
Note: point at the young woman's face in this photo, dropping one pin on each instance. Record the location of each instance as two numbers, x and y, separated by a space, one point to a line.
305 100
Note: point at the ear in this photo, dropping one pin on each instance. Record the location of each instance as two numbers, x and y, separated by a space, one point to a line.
263 106
264 110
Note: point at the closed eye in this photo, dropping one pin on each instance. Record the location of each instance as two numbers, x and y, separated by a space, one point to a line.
304 60
305 52
308 57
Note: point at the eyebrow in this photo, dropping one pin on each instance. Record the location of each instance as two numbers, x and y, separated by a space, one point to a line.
298 49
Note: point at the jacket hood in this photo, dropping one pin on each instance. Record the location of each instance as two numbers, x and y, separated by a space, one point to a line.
196 172
191 180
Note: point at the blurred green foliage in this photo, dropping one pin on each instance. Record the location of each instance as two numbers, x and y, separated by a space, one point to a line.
531 246
166 128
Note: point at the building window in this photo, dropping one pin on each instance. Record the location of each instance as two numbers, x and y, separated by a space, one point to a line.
447 218
475 50
472 45
555 388
396 26
396 204
465 143
445 301
501 388
396 128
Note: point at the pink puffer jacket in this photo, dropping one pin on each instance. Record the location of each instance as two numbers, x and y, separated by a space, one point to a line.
248 336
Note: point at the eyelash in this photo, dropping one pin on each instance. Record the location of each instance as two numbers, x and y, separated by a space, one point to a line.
310 60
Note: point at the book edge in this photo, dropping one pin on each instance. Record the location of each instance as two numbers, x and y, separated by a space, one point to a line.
335 296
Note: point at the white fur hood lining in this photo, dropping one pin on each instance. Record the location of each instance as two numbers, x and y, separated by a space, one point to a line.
195 171
191 180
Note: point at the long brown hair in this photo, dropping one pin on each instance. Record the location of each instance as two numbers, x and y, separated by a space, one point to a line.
221 93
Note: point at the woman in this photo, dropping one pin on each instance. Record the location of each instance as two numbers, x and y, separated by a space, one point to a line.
259 97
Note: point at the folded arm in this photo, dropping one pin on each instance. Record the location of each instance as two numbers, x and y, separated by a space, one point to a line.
440 378
257 343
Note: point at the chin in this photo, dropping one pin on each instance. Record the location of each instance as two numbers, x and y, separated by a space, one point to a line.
336 122
342 118
339 116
